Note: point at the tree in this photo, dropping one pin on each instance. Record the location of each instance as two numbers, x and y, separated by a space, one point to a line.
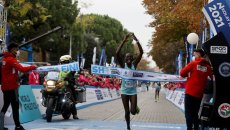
173 20
63 13
109 31
143 65
31 18
24 19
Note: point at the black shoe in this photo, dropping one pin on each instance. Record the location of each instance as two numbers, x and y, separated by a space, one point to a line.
19 128
2 115
75 117
5 128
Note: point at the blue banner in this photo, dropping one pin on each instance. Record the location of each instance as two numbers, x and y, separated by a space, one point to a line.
29 109
218 15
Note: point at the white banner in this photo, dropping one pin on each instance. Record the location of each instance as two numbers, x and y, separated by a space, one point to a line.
135 74
74 66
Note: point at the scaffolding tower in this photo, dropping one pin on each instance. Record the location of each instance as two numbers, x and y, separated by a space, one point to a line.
3 25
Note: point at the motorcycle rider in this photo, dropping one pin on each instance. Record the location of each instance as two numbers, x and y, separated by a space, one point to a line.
69 79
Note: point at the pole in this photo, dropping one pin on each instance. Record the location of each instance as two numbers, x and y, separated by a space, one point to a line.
70 45
38 37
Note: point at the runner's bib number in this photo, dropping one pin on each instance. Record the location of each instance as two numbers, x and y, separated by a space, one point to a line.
130 83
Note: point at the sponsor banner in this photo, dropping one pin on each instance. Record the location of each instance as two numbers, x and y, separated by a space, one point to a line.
65 67
176 97
93 95
221 71
224 69
105 93
99 94
181 101
218 49
224 110
217 13
29 109
135 74
38 96
28 106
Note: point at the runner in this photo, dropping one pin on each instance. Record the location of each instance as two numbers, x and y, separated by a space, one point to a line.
157 91
128 87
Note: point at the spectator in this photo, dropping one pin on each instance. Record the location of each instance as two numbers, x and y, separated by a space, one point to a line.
34 78
10 68
197 73
24 78
157 91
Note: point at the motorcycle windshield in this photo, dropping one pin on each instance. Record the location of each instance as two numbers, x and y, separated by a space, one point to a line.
52 76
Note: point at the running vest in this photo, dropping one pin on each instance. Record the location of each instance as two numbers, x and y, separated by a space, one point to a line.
128 87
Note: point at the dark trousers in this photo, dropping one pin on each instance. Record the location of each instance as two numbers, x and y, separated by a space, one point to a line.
71 88
192 106
11 97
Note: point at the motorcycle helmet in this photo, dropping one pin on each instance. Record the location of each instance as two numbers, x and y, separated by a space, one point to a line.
65 59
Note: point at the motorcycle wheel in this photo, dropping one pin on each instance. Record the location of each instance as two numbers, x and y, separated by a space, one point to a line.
66 113
49 110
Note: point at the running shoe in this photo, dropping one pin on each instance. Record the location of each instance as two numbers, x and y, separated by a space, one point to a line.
19 128
138 110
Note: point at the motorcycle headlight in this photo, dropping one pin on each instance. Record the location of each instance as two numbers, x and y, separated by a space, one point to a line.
51 83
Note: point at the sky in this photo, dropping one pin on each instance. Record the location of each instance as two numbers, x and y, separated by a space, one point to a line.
130 13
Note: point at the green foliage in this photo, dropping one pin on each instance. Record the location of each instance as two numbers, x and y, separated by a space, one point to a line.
108 30
63 13
24 18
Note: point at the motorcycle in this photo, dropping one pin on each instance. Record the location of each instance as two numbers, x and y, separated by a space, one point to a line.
56 97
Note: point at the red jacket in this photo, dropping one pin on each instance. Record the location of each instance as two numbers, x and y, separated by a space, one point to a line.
34 78
10 68
197 72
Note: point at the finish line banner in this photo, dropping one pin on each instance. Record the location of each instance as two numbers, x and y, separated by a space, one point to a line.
74 66
135 74
218 15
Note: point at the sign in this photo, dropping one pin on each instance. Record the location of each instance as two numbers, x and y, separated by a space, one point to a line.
99 94
224 110
219 50
217 13
29 109
221 69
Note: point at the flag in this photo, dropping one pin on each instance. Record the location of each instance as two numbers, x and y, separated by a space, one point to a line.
190 52
94 55
180 61
101 58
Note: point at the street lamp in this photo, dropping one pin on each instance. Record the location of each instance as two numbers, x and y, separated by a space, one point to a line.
192 38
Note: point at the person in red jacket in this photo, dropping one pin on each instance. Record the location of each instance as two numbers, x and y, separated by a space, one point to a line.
34 78
197 73
10 84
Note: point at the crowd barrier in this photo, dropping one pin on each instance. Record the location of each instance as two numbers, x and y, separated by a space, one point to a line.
176 97
28 106
30 101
